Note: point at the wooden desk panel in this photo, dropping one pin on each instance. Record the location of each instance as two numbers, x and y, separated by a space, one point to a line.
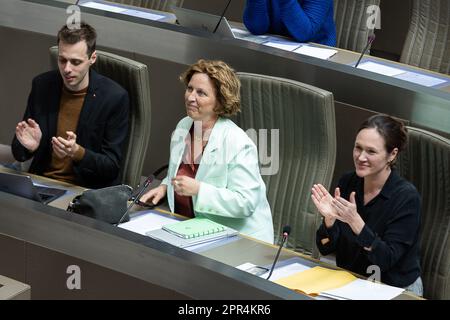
49 240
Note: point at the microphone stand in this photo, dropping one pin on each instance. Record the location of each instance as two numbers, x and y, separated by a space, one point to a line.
285 235
136 199
369 42
221 17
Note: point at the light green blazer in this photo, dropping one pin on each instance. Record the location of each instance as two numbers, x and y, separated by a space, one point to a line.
232 191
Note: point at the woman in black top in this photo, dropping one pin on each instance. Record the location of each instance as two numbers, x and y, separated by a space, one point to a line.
372 222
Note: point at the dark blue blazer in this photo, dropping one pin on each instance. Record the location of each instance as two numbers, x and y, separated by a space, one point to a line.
102 128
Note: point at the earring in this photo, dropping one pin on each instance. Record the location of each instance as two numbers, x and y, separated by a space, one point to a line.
391 163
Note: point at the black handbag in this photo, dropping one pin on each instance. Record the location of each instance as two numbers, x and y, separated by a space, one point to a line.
107 204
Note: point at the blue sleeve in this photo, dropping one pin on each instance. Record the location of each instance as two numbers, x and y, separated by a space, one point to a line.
304 21
256 16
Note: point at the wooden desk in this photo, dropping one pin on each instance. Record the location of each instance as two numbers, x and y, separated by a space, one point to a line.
43 241
13 290
63 201
136 11
259 253
347 57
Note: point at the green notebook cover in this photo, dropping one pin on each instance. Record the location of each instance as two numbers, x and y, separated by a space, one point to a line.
194 228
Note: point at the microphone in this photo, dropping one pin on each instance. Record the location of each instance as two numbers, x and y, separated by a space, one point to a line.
286 231
369 42
221 17
147 182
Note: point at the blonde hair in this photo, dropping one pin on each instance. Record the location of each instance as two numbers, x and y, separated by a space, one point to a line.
226 83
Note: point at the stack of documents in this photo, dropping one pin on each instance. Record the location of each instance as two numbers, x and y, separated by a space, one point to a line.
192 232
315 280
363 290
145 221
194 228
122 10
297 47
321 53
286 45
337 284
380 68
403 74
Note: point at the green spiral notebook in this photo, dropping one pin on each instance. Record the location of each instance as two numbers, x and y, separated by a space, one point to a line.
194 228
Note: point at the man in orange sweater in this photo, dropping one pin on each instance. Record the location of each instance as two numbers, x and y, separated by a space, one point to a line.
76 121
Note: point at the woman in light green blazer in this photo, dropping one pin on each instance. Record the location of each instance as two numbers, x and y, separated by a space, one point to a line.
213 168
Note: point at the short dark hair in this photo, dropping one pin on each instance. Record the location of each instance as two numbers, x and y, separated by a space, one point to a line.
72 36
226 83
393 131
